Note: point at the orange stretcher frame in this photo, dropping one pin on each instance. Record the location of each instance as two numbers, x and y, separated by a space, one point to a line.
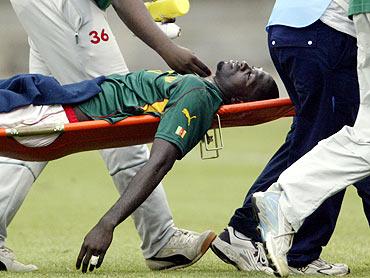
92 135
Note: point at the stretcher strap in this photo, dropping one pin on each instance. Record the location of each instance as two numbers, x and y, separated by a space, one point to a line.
70 113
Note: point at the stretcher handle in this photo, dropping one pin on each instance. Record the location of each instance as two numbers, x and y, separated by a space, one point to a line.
32 130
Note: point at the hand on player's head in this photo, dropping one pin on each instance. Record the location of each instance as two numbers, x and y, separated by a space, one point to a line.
183 61
241 83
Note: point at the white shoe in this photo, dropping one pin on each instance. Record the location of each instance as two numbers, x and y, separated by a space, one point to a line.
8 262
183 249
234 248
322 267
276 231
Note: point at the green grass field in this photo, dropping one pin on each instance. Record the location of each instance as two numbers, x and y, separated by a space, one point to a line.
73 192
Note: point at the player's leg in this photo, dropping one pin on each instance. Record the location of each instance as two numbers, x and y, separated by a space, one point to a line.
335 163
322 110
315 120
287 203
333 109
243 219
349 151
240 243
76 43
362 28
16 179
363 190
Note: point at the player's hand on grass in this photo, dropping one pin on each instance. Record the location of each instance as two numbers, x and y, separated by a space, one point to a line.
96 244
182 60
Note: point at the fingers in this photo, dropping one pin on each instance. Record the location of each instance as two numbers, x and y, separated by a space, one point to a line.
100 261
184 61
93 262
197 67
91 268
86 257
201 69
86 260
81 256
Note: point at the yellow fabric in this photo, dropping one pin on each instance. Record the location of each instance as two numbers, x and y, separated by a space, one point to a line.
155 107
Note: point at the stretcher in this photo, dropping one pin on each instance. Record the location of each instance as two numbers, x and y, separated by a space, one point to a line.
92 135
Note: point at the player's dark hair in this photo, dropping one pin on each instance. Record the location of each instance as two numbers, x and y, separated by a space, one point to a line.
270 90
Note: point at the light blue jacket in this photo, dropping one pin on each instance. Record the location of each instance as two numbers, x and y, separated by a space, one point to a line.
297 13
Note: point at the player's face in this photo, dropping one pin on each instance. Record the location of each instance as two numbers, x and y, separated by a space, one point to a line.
241 79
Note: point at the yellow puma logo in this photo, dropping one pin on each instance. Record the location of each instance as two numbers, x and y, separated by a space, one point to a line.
185 111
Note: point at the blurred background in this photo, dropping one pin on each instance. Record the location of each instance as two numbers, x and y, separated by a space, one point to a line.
213 29
73 193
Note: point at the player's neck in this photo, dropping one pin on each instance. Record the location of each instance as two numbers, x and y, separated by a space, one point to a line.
224 95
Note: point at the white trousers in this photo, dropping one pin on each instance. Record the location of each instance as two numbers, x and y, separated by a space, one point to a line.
72 41
34 116
338 161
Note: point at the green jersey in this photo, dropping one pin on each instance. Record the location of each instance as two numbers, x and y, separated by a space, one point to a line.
103 4
359 6
185 103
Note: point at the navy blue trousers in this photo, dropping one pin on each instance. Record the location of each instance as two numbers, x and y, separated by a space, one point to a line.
317 65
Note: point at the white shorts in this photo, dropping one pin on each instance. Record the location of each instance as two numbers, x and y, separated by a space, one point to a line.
69 39
33 116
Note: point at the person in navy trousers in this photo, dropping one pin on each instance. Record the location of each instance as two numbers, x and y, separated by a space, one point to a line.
313 47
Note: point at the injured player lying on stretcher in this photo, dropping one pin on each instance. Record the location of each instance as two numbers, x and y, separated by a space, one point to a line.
186 105
35 100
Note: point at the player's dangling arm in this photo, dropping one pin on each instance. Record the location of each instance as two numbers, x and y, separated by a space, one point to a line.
136 17
96 243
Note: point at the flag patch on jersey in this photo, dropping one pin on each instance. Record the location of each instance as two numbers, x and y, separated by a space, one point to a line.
180 131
